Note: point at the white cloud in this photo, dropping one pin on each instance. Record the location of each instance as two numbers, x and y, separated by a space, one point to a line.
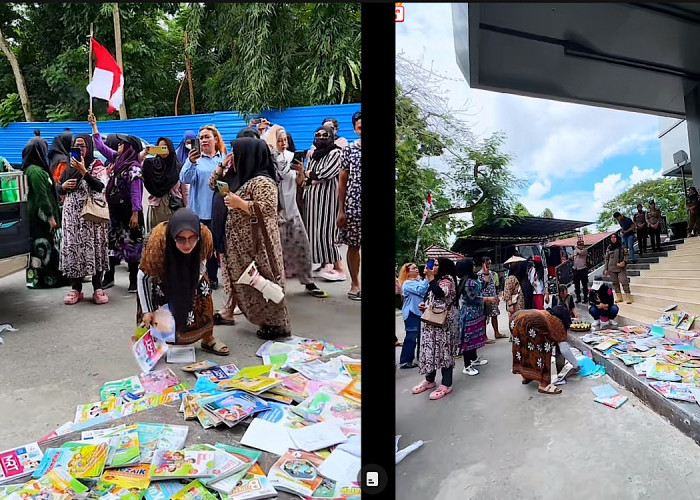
539 188
549 138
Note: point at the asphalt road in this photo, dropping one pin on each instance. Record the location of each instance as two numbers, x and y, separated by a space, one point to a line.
493 438
61 354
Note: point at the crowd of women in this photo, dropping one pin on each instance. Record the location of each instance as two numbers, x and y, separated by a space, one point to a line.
259 212
446 314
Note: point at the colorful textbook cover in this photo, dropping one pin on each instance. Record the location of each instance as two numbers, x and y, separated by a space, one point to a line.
182 464
234 406
127 448
121 388
126 483
225 464
253 486
163 490
154 437
296 472
147 351
56 481
88 460
248 457
19 462
159 381
194 491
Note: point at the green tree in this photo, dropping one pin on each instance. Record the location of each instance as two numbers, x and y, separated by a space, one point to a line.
667 193
520 210
547 214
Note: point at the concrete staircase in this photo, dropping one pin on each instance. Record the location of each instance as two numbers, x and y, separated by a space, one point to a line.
664 278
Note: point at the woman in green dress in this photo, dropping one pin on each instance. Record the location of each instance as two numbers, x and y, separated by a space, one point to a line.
44 217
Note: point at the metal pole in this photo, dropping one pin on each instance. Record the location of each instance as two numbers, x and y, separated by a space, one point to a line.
118 43
90 62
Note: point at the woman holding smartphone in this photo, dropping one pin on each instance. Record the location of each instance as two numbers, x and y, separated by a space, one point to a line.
161 178
295 241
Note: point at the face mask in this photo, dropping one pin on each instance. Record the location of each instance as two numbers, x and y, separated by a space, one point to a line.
322 142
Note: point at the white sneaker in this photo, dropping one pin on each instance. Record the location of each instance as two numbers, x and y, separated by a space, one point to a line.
470 371
480 362
613 323
330 274
604 324
596 322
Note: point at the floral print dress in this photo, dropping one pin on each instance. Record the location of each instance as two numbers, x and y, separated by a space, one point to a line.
351 161
440 344
535 335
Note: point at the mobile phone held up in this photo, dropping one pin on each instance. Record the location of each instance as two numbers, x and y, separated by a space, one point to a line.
75 153
430 264
158 150
299 157
223 187
196 145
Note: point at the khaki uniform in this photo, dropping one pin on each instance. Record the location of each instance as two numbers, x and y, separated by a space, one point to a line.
613 258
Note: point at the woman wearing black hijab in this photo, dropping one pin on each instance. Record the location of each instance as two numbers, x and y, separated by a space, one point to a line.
84 250
321 204
44 217
246 229
173 272
59 155
161 178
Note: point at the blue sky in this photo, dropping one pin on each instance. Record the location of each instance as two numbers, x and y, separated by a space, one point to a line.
577 157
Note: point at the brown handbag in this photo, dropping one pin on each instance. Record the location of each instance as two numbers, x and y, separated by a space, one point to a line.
435 315
96 210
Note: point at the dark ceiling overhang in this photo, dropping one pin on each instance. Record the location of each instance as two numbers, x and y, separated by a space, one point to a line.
629 56
526 230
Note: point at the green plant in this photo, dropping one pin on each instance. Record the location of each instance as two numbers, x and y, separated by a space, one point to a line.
11 110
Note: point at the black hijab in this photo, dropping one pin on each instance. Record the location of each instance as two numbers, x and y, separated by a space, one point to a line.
251 159
465 272
446 268
182 271
563 314
519 270
161 174
60 150
617 244
35 153
325 146
249 132
72 173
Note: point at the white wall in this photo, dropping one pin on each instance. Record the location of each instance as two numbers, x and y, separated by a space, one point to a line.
673 134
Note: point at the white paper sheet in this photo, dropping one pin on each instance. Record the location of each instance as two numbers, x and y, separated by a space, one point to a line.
317 436
267 436
341 466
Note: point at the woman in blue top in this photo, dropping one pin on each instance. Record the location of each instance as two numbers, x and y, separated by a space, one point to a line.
196 172
414 290
472 319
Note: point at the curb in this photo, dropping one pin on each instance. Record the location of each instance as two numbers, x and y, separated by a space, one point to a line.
684 416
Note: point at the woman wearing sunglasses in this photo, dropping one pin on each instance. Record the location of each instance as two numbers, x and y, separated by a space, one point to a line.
321 204
174 272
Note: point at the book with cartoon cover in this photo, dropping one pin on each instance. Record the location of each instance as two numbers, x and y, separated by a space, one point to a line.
296 472
248 457
326 405
156 382
235 406
182 464
219 373
154 437
5 490
54 458
127 451
251 384
353 391
55 481
253 486
295 386
88 460
148 350
128 483
118 388
19 462
194 491
225 464
163 490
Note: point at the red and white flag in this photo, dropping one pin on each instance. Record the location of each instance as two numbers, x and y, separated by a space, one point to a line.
108 79
428 206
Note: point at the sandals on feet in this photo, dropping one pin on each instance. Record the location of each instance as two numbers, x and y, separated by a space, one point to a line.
440 392
355 295
73 297
423 386
218 348
550 389
317 292
220 320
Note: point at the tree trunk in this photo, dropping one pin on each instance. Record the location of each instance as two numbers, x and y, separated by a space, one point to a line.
19 79
189 72
120 61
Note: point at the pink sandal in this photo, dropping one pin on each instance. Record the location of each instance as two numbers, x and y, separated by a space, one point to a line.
100 297
423 386
73 297
440 392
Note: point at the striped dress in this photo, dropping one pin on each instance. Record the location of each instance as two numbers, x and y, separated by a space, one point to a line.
321 208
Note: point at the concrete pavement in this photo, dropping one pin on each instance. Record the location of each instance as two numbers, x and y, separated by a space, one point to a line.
61 354
493 438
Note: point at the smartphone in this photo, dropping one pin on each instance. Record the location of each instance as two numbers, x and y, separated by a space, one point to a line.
430 264
159 150
299 157
75 153
223 187
196 146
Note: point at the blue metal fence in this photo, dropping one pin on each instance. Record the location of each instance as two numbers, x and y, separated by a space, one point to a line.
300 122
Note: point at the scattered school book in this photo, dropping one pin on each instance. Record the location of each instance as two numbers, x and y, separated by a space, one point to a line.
296 472
88 460
127 451
182 464
154 437
194 491
612 402
225 464
248 457
686 322
159 381
353 391
148 351
326 405
253 486
251 384
118 388
199 366
234 406
163 490
56 481
54 458
125 483
19 462
219 373
295 386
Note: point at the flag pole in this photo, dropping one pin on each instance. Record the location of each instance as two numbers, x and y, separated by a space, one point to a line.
90 63
428 204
